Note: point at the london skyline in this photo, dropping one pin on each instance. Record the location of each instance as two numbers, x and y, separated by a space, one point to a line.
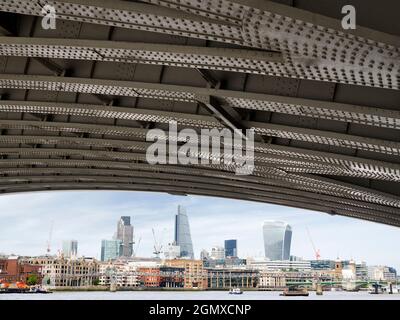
93 215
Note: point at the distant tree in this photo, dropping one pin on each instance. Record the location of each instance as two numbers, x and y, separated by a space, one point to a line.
32 280
96 282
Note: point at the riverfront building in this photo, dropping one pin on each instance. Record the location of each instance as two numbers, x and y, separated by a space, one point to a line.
277 240
277 280
172 277
272 280
225 278
382 273
61 272
124 272
195 277
13 269
150 277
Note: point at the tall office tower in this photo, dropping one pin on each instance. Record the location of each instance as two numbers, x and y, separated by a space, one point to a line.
110 249
70 248
231 248
277 239
182 234
125 234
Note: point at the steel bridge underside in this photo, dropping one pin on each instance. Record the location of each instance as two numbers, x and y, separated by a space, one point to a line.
76 102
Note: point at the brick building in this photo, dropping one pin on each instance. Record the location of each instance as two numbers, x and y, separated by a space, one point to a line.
195 277
149 276
13 269
172 277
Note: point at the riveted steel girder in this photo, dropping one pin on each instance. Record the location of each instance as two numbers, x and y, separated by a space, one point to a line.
173 173
227 59
313 47
336 151
244 100
180 188
291 161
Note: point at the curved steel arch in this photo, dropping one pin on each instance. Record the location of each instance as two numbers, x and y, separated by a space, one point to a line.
76 103
250 185
184 190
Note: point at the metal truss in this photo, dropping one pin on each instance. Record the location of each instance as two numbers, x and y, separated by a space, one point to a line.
227 59
301 181
243 100
330 153
313 47
264 153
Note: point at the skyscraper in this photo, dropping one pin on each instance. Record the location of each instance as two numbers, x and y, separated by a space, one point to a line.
110 249
125 235
231 248
182 234
70 248
277 240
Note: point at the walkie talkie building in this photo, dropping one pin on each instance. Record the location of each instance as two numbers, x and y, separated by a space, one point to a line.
277 240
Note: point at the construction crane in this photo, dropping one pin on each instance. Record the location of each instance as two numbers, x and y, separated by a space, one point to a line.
316 251
157 245
136 248
50 236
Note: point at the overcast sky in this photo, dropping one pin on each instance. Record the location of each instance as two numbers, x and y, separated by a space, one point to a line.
90 216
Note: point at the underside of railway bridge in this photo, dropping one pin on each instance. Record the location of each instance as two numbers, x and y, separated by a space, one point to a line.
77 100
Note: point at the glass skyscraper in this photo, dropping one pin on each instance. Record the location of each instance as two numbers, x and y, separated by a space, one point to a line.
231 248
182 234
70 248
110 249
125 235
277 240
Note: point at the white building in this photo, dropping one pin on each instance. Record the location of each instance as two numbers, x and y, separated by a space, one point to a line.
274 279
217 253
381 273
124 272
279 265
349 272
61 272
173 251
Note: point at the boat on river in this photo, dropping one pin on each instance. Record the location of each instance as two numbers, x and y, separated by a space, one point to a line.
295 292
235 291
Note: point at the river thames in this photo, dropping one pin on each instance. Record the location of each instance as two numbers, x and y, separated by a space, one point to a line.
199 295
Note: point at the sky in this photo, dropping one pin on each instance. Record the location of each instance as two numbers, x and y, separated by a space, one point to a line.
90 216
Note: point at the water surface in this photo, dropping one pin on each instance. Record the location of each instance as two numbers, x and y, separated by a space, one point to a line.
194 295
